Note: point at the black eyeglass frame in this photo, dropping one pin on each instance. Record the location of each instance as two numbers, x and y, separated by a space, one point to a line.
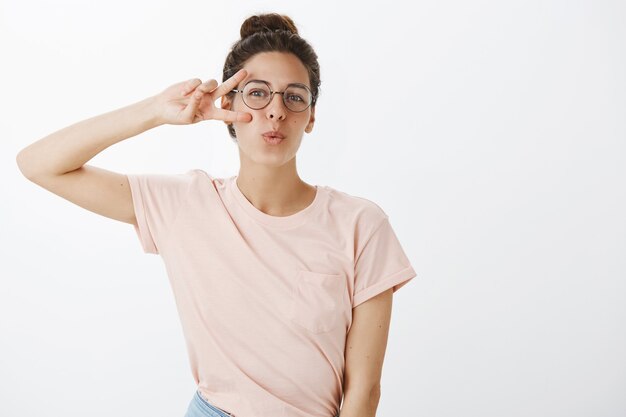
272 92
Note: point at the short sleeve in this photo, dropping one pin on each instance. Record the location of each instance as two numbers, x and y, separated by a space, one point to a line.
156 200
381 264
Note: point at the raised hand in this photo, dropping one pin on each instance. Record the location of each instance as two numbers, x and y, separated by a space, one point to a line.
193 101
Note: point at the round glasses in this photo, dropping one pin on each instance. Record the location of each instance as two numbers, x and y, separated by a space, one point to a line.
257 94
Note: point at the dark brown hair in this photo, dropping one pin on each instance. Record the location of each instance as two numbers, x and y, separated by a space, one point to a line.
266 33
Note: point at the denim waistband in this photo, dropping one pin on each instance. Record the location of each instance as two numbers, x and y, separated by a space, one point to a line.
222 413
219 411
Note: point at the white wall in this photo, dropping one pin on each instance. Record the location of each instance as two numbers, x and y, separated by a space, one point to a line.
492 133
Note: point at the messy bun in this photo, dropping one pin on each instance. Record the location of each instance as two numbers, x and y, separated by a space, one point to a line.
267 33
267 22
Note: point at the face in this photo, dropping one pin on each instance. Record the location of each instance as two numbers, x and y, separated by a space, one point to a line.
279 69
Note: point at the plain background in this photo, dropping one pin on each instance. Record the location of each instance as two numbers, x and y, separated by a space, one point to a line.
491 132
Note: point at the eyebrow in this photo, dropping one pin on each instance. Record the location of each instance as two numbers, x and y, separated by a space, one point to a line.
288 85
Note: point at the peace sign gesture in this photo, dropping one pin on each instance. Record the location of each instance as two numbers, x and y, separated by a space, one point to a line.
192 101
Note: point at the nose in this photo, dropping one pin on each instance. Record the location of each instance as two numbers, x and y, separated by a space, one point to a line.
276 108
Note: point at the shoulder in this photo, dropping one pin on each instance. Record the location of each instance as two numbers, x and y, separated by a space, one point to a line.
178 182
201 177
363 213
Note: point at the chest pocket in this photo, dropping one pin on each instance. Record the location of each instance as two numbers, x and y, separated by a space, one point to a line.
317 301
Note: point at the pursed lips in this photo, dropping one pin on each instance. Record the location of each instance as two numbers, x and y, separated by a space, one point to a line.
274 134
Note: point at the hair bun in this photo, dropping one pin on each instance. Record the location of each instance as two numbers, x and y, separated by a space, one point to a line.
266 23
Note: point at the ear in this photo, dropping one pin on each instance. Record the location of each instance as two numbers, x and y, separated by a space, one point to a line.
309 126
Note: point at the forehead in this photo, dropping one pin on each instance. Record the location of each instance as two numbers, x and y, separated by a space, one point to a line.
277 68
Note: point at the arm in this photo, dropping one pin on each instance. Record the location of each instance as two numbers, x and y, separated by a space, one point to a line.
57 162
365 350
71 147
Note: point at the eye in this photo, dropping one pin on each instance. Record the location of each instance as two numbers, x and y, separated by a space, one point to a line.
294 97
257 93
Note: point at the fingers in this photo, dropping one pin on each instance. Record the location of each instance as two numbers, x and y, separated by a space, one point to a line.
231 116
192 107
190 86
196 90
210 85
207 86
230 83
204 88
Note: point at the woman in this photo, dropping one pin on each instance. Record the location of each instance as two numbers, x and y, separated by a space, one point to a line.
284 289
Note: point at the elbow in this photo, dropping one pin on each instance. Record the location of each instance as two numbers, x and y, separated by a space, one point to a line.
369 393
22 164
374 396
26 165
362 402
19 159
26 168
375 392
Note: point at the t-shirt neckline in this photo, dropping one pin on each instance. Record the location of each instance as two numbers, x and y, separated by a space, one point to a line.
279 222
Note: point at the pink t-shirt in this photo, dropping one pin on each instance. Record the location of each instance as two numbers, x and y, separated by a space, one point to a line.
265 302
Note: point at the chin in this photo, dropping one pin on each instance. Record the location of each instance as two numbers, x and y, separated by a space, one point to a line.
262 156
270 162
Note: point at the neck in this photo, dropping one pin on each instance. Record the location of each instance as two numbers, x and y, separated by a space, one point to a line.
277 191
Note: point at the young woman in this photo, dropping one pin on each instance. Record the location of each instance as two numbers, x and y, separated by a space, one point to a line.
284 289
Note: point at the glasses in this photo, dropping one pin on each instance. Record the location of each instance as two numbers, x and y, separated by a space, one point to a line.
257 94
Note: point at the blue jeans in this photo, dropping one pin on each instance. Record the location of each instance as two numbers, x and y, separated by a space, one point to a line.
199 407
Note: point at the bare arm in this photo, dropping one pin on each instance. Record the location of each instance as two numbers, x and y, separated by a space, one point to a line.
71 147
57 162
365 351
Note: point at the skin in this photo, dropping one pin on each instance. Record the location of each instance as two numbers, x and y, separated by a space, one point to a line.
268 175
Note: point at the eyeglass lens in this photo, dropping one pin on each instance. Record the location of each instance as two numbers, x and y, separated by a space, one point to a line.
257 95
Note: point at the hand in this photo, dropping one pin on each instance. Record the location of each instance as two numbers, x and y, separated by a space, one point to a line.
193 101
